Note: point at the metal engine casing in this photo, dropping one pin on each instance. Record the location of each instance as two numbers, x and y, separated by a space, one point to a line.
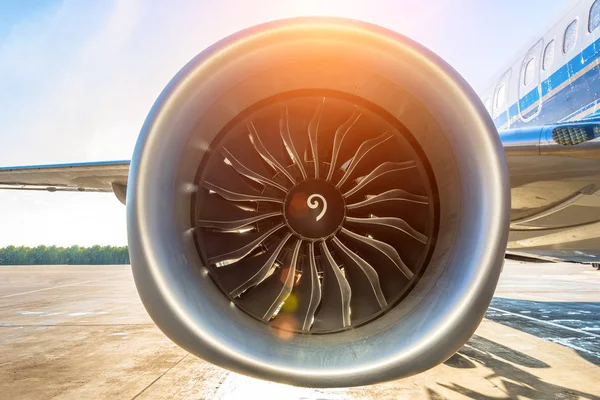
446 118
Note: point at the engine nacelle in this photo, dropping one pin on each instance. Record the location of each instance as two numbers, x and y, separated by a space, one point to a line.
320 202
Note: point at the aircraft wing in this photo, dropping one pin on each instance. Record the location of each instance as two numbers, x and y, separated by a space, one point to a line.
109 176
555 191
555 188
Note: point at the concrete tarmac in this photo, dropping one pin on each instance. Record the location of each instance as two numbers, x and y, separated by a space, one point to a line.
81 332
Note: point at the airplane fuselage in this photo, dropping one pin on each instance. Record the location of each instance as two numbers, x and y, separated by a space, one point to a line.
554 187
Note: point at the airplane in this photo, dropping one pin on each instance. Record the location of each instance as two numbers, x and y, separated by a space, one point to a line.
324 202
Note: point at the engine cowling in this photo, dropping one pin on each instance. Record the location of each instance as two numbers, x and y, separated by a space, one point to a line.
320 202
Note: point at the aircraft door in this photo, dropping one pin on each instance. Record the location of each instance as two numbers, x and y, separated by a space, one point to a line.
530 89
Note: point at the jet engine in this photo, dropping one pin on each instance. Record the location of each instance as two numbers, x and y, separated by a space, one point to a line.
319 202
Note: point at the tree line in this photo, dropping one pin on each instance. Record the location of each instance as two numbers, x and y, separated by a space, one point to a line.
74 255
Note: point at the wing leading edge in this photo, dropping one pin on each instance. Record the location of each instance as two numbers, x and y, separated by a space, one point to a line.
108 176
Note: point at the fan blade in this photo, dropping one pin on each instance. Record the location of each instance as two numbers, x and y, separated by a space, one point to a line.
215 207
236 224
266 298
239 196
413 209
313 132
340 134
243 250
334 311
365 148
368 297
383 248
395 195
238 277
230 159
380 172
301 305
396 224
315 289
265 154
284 131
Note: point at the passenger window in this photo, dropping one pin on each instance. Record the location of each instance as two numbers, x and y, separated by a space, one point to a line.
529 72
570 37
594 16
500 97
548 56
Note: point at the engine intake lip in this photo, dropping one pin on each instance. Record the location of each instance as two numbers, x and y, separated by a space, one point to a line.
359 201
409 82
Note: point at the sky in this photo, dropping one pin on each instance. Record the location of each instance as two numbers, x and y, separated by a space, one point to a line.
77 79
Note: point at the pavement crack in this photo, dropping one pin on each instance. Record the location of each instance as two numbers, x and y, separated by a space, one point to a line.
160 376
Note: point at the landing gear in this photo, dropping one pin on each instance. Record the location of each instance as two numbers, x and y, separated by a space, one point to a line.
596 266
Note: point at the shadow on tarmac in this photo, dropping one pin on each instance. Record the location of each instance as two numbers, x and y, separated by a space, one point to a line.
505 363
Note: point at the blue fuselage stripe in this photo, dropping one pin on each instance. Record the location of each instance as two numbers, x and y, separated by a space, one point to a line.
579 93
